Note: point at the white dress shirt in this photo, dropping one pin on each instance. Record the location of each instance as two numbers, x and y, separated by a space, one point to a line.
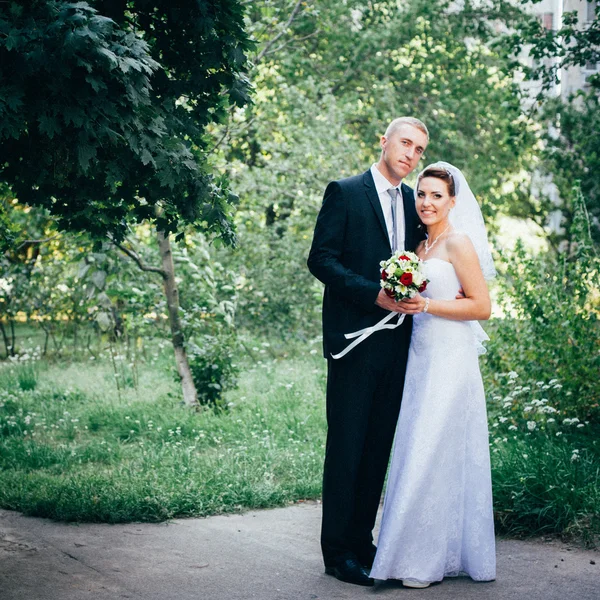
382 185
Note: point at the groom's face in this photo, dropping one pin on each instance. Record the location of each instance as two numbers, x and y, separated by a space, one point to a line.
403 150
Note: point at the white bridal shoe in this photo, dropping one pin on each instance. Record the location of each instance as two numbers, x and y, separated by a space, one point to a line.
413 583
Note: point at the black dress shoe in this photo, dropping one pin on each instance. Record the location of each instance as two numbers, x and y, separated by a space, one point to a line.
367 558
351 571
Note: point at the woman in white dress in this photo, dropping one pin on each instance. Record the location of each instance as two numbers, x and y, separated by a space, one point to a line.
437 517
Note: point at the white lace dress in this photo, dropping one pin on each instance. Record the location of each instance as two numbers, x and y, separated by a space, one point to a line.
437 516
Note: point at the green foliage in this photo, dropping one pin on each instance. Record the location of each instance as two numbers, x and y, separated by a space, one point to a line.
8 229
572 153
280 197
573 45
277 293
553 331
380 60
213 368
208 308
570 124
544 463
101 119
544 485
22 374
327 84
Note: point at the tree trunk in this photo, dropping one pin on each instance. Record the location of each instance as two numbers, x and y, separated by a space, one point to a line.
4 337
13 338
190 396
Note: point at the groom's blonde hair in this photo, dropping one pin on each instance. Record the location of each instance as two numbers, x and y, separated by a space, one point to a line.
397 123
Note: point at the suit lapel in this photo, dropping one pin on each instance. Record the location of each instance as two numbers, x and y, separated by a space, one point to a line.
375 203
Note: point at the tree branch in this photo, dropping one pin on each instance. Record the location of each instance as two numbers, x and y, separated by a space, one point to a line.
283 31
31 242
135 256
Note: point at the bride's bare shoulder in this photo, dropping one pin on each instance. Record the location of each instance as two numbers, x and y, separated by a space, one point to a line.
458 240
459 245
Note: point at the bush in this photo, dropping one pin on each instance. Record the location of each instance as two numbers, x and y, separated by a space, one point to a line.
552 330
544 463
212 362
541 376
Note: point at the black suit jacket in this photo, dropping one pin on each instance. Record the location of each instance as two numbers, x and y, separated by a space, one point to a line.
349 242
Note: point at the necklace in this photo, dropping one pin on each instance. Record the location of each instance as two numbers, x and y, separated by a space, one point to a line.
428 247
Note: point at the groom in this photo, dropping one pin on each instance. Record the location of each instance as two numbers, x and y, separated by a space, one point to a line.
362 219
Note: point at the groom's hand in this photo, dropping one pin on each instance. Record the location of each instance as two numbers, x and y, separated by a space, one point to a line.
410 306
387 303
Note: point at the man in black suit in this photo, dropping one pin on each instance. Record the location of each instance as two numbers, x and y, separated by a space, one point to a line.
362 219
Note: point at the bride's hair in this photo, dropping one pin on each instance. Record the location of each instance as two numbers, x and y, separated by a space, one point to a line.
442 174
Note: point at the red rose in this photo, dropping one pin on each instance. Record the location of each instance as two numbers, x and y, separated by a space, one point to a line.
423 287
384 275
403 257
389 293
406 278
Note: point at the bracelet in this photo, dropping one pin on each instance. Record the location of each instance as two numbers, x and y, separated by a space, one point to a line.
426 305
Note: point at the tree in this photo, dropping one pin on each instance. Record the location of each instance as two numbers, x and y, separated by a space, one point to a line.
101 119
571 149
382 59
575 44
103 108
572 154
571 143
329 76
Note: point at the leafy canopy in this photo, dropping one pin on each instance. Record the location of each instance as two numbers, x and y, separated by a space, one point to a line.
103 108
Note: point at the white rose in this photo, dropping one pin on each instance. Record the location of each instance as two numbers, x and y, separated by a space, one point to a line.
418 279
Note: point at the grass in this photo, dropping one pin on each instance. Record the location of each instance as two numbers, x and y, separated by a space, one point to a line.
546 486
545 461
70 450
73 449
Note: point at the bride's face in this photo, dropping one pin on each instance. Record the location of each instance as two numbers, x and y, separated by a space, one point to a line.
433 200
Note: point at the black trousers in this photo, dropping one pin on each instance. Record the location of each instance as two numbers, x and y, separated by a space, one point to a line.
364 391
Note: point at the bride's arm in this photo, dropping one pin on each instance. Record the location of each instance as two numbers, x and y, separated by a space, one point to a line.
476 304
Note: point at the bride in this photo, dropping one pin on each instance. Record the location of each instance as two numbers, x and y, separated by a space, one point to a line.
437 516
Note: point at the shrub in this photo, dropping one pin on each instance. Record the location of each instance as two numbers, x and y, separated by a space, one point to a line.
544 463
553 329
212 362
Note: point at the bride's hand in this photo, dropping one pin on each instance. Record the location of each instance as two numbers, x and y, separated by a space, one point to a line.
412 306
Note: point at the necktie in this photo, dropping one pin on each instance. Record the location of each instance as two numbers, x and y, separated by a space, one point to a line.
394 193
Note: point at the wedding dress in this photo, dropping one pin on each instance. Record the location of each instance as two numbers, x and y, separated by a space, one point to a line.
437 517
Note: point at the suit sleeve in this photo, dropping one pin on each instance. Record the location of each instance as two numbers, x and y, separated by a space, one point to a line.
327 249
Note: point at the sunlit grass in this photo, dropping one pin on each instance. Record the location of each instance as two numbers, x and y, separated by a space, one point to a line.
72 450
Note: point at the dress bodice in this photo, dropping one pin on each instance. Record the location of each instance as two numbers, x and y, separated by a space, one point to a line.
444 285
443 280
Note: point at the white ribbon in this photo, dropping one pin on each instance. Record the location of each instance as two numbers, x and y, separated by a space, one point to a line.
363 334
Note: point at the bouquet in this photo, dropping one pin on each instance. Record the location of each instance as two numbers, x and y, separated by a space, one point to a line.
402 275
